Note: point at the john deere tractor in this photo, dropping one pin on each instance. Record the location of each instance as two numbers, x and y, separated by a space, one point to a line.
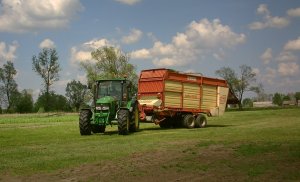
114 103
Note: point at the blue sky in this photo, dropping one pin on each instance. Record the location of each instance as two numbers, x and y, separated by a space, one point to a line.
190 35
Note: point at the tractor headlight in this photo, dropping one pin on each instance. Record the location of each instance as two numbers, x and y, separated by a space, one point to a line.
102 108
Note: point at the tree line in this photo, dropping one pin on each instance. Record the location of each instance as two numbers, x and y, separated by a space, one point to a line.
109 63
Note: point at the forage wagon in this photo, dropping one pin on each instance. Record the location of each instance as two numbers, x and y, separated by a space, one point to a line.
171 98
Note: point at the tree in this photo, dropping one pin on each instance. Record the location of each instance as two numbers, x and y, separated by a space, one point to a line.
75 92
247 102
297 96
277 99
25 103
9 86
58 103
260 92
46 65
110 63
238 84
286 98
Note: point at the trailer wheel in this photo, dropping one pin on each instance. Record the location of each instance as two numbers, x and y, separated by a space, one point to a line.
135 123
85 122
201 121
189 121
123 122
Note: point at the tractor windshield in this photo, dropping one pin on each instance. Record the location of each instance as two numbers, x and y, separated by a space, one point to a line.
110 88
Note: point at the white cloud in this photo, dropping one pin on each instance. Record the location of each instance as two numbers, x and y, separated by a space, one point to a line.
152 37
287 56
82 52
270 76
34 15
8 52
97 43
268 20
199 39
128 2
82 78
294 12
134 36
140 54
219 55
61 83
288 69
206 34
263 9
47 43
167 62
293 45
266 57
256 71
80 56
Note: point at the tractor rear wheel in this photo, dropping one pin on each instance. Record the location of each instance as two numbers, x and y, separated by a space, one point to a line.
201 121
85 122
135 123
189 121
123 122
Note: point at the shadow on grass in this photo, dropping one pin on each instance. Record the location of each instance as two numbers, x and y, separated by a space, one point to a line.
217 126
161 129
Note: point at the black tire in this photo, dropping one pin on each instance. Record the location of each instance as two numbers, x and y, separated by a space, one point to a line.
98 128
200 121
189 121
85 122
102 128
135 121
123 122
166 123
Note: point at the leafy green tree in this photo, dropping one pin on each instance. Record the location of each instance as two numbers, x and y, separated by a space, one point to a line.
61 103
297 96
110 63
25 103
247 102
9 86
75 92
47 66
260 92
286 98
58 102
238 84
277 99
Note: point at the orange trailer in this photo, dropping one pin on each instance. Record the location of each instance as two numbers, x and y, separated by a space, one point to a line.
171 98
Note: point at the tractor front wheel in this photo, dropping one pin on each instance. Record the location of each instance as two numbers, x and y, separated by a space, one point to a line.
85 122
123 122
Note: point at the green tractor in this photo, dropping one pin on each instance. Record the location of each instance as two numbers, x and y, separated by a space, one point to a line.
114 103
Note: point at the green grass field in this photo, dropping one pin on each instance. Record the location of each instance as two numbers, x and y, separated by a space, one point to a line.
248 146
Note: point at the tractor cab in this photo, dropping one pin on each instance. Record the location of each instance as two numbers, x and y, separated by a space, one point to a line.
112 91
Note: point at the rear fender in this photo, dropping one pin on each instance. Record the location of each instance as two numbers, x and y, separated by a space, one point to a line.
87 109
